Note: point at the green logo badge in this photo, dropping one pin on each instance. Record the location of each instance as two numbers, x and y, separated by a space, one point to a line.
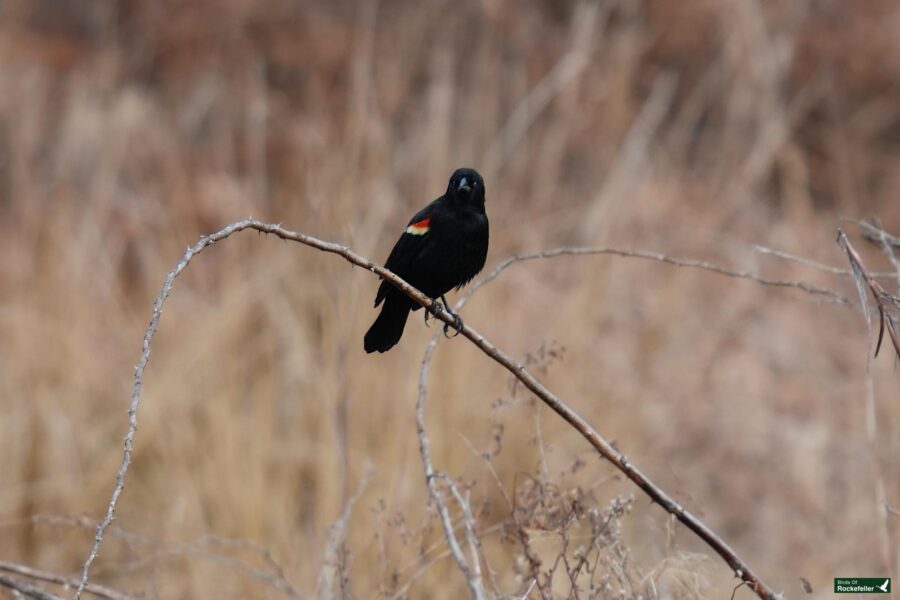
862 585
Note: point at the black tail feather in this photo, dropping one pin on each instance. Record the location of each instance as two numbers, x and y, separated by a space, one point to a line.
387 329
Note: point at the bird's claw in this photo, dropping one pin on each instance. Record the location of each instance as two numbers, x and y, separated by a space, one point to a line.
435 309
457 325
457 321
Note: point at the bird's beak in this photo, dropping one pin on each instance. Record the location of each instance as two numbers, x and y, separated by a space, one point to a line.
464 185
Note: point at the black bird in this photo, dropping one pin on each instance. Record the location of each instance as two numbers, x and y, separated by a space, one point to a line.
444 246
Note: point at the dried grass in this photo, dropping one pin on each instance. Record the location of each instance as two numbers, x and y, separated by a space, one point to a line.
127 130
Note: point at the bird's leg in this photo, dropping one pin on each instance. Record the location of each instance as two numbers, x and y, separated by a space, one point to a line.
457 320
435 309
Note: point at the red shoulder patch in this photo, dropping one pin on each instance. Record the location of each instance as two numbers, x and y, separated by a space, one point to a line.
419 227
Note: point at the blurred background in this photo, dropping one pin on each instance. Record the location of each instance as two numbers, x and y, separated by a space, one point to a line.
701 129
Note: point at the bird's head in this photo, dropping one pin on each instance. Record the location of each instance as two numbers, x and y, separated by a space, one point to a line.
466 187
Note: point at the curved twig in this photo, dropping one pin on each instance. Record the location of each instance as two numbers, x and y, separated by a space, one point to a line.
518 370
823 293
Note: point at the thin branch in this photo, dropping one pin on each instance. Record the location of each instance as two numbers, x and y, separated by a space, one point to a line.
876 234
26 589
469 522
92 588
885 302
813 263
599 443
534 561
473 576
802 260
823 293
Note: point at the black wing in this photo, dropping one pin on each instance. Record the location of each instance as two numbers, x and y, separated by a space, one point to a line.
405 252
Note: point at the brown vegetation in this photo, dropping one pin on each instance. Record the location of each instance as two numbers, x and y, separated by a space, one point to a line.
700 129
